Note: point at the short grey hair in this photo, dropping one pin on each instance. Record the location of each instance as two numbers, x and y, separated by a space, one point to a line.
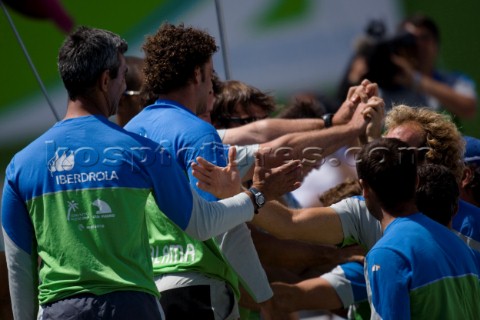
85 54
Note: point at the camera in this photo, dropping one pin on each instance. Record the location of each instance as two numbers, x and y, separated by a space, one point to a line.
379 50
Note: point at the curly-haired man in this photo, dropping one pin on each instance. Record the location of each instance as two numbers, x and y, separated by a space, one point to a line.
434 132
196 279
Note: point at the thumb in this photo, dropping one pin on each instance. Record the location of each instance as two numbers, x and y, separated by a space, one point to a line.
232 155
258 159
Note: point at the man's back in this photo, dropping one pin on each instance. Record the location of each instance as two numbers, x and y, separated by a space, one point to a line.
182 133
425 269
186 137
76 193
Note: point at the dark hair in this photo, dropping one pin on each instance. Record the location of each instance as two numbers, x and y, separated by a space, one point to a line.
217 84
134 76
389 167
235 93
437 192
171 56
85 54
303 108
422 21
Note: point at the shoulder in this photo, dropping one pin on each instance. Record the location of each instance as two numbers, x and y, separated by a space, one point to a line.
355 203
358 224
468 216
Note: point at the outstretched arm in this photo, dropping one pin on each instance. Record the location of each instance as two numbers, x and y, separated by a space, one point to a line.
272 182
269 129
311 294
301 255
313 146
462 103
317 224
227 178
203 219
464 106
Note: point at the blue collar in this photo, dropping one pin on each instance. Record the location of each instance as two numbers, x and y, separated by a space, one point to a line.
170 103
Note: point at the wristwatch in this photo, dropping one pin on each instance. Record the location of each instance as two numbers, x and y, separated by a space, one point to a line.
259 198
327 120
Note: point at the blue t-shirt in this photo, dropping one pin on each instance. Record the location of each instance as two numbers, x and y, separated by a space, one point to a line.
186 136
419 269
467 222
183 134
354 273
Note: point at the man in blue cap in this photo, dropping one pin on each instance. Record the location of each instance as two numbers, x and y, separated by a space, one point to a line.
467 220
470 186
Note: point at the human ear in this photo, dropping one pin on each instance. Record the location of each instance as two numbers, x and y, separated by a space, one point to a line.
365 189
104 80
467 177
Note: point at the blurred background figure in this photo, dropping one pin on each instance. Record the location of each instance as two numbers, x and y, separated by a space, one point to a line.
470 185
405 67
131 102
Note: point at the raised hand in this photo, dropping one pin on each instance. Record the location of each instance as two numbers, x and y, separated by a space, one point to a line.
355 96
376 113
274 182
363 114
221 182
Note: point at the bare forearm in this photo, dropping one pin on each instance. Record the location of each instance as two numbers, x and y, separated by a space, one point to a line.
459 104
301 255
312 146
311 294
268 129
316 225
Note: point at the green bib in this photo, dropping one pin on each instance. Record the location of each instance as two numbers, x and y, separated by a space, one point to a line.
174 251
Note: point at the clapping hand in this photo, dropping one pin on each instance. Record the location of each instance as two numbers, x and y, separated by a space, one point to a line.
222 182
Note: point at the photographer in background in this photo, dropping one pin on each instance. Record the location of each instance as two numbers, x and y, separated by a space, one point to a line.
404 66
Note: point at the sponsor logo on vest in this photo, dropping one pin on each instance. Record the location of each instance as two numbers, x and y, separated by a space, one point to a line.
86 177
62 163
103 212
174 253
64 160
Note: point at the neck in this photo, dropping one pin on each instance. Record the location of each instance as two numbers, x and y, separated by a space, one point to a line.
401 210
185 96
83 106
